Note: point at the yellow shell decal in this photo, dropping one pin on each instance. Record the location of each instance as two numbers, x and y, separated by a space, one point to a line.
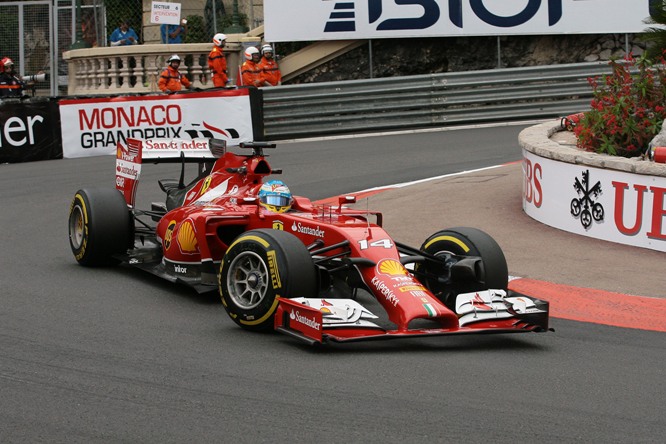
187 238
392 268
168 236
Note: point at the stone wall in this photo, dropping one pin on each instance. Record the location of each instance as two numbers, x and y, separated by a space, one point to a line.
403 57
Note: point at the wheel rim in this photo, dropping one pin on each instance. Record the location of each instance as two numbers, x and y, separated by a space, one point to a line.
247 280
76 227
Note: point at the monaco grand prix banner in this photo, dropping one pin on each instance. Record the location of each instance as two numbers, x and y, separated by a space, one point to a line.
605 204
306 20
29 130
94 126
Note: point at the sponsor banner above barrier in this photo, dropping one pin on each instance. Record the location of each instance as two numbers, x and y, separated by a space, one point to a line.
94 126
305 20
29 130
602 203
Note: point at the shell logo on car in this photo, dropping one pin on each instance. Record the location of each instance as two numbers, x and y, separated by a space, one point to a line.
391 267
187 239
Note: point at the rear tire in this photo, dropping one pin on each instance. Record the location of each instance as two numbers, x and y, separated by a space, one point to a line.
467 241
259 266
99 226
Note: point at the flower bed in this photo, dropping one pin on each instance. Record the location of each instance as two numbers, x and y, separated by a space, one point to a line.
628 108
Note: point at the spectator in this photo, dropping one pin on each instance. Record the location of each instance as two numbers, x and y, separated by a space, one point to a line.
10 84
217 62
171 79
251 73
174 33
88 31
269 67
123 35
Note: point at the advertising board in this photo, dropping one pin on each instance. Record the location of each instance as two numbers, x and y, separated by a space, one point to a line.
314 20
94 126
602 203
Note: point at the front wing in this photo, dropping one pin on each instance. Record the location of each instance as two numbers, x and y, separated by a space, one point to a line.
316 320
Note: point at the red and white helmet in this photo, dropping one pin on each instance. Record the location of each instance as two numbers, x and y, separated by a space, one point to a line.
7 62
219 39
249 52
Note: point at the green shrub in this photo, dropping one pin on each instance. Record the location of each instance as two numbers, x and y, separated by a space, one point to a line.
627 108
196 32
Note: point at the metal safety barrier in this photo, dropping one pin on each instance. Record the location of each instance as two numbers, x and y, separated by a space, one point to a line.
423 101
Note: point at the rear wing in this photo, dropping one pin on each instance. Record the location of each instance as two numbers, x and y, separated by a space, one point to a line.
130 157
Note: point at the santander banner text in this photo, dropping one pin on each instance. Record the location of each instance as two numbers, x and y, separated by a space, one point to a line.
305 20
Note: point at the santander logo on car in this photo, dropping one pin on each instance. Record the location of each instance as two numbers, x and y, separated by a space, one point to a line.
304 229
312 323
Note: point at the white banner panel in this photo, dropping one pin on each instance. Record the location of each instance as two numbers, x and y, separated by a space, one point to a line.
605 204
165 13
298 20
92 127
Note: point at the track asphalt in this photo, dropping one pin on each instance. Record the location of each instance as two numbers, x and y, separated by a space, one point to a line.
584 279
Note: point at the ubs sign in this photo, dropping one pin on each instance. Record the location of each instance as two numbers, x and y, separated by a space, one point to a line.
361 19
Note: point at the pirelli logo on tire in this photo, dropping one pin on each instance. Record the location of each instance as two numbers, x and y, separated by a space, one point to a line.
273 269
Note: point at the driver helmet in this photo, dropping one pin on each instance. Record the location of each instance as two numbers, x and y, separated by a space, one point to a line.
275 196
219 39
249 52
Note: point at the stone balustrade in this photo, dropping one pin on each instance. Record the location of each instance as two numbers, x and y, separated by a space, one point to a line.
136 69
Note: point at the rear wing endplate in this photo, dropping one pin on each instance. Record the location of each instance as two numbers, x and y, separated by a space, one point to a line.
130 157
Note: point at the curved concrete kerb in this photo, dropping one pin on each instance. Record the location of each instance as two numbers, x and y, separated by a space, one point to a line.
606 197
539 140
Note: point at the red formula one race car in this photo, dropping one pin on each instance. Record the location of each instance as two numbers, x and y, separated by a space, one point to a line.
283 262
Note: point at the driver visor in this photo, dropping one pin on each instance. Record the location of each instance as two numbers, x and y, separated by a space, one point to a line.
278 201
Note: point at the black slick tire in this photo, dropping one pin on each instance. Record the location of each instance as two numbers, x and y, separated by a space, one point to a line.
257 268
99 226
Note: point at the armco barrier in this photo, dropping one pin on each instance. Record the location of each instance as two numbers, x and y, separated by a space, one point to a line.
428 100
395 103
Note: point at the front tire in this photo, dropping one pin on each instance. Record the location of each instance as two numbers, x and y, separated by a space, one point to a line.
466 241
99 226
259 266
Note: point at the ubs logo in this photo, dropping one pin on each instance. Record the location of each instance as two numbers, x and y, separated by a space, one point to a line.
343 17
586 206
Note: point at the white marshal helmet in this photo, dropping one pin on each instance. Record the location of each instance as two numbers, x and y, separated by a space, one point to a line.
219 38
249 52
266 48
173 58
